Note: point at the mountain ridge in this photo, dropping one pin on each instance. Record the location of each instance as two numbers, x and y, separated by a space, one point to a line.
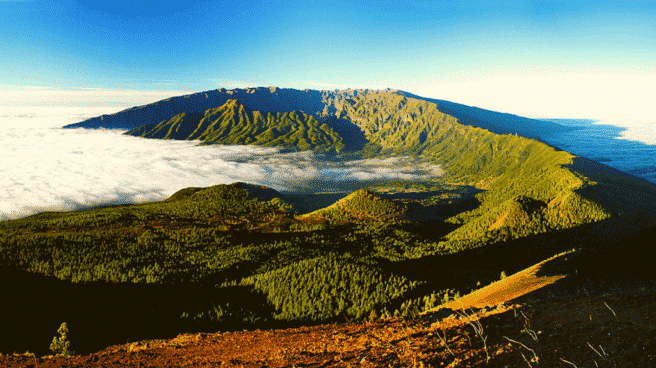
319 103
233 123
396 123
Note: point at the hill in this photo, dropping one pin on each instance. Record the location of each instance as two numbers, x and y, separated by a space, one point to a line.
359 206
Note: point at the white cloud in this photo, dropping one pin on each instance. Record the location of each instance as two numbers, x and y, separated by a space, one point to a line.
45 167
642 130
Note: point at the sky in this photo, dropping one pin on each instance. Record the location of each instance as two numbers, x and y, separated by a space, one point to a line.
559 59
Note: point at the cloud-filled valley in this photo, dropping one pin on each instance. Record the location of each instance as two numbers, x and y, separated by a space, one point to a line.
46 168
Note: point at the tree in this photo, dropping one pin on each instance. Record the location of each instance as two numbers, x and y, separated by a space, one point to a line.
60 346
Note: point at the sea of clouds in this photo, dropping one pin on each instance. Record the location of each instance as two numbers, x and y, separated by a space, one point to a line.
47 168
628 145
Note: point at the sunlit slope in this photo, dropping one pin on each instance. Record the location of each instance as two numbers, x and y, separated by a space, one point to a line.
232 123
269 99
359 206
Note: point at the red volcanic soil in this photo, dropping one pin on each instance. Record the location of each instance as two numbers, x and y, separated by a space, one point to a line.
531 319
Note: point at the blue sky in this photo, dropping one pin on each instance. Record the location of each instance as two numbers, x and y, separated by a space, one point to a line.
534 58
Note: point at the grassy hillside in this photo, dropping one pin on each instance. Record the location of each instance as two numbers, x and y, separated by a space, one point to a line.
232 123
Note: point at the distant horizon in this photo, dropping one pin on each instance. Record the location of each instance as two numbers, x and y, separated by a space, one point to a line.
40 96
639 126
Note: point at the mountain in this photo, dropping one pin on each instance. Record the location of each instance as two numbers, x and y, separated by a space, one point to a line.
566 190
232 123
313 102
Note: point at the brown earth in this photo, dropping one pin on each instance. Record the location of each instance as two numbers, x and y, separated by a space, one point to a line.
535 318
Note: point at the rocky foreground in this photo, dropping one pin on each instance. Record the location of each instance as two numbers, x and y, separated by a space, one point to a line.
536 318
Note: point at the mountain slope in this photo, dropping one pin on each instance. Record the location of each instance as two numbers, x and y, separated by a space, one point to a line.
271 99
232 123
496 122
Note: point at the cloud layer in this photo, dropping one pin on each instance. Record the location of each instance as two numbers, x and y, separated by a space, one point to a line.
46 168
